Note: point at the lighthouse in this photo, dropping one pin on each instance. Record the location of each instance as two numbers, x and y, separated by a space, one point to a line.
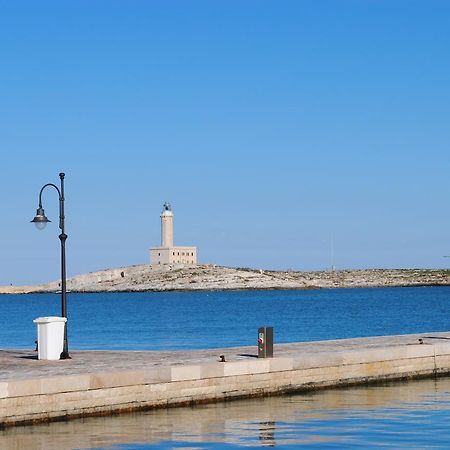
167 226
168 253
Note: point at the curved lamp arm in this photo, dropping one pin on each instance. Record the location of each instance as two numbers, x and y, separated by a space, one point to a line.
40 218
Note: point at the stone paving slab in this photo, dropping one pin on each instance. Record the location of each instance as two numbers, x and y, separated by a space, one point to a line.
23 364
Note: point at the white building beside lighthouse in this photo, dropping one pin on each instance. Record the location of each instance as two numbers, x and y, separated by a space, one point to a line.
167 253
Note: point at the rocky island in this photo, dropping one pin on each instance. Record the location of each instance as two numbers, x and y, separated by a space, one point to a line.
141 278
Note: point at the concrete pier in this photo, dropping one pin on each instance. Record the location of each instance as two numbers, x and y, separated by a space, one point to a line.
107 382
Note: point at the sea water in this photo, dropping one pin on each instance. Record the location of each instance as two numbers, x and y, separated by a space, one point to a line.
195 320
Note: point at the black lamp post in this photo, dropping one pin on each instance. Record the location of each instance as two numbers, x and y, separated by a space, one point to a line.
41 221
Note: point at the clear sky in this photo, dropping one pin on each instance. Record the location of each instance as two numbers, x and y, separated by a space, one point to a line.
282 132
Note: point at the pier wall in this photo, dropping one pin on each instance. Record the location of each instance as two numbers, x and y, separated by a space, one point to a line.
44 398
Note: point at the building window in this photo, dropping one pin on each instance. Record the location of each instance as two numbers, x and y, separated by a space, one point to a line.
173 253
159 254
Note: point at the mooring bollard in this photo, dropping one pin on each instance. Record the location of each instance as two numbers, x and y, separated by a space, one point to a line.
265 342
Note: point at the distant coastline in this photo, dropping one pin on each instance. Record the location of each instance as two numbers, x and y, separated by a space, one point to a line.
146 278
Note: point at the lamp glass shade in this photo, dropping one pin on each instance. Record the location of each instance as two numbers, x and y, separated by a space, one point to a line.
40 220
40 225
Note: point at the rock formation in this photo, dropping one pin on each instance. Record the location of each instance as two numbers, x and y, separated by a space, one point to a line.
212 277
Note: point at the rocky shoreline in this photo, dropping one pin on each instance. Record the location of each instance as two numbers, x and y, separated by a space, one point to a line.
142 278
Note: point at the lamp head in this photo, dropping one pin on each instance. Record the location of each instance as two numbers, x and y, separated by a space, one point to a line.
40 220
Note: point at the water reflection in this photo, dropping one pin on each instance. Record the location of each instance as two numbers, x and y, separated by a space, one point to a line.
409 415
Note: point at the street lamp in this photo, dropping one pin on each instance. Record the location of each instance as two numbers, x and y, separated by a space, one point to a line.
40 220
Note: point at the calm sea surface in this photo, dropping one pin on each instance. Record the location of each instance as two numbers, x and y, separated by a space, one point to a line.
414 415
191 320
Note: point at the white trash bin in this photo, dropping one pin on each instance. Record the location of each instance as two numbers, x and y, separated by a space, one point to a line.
50 333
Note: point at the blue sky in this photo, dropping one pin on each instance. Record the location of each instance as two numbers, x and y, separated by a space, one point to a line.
273 128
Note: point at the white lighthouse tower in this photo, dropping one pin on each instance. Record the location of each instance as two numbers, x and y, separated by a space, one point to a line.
167 253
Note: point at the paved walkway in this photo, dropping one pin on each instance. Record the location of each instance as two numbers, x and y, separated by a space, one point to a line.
23 364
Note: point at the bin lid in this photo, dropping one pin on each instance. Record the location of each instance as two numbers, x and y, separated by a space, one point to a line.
50 319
